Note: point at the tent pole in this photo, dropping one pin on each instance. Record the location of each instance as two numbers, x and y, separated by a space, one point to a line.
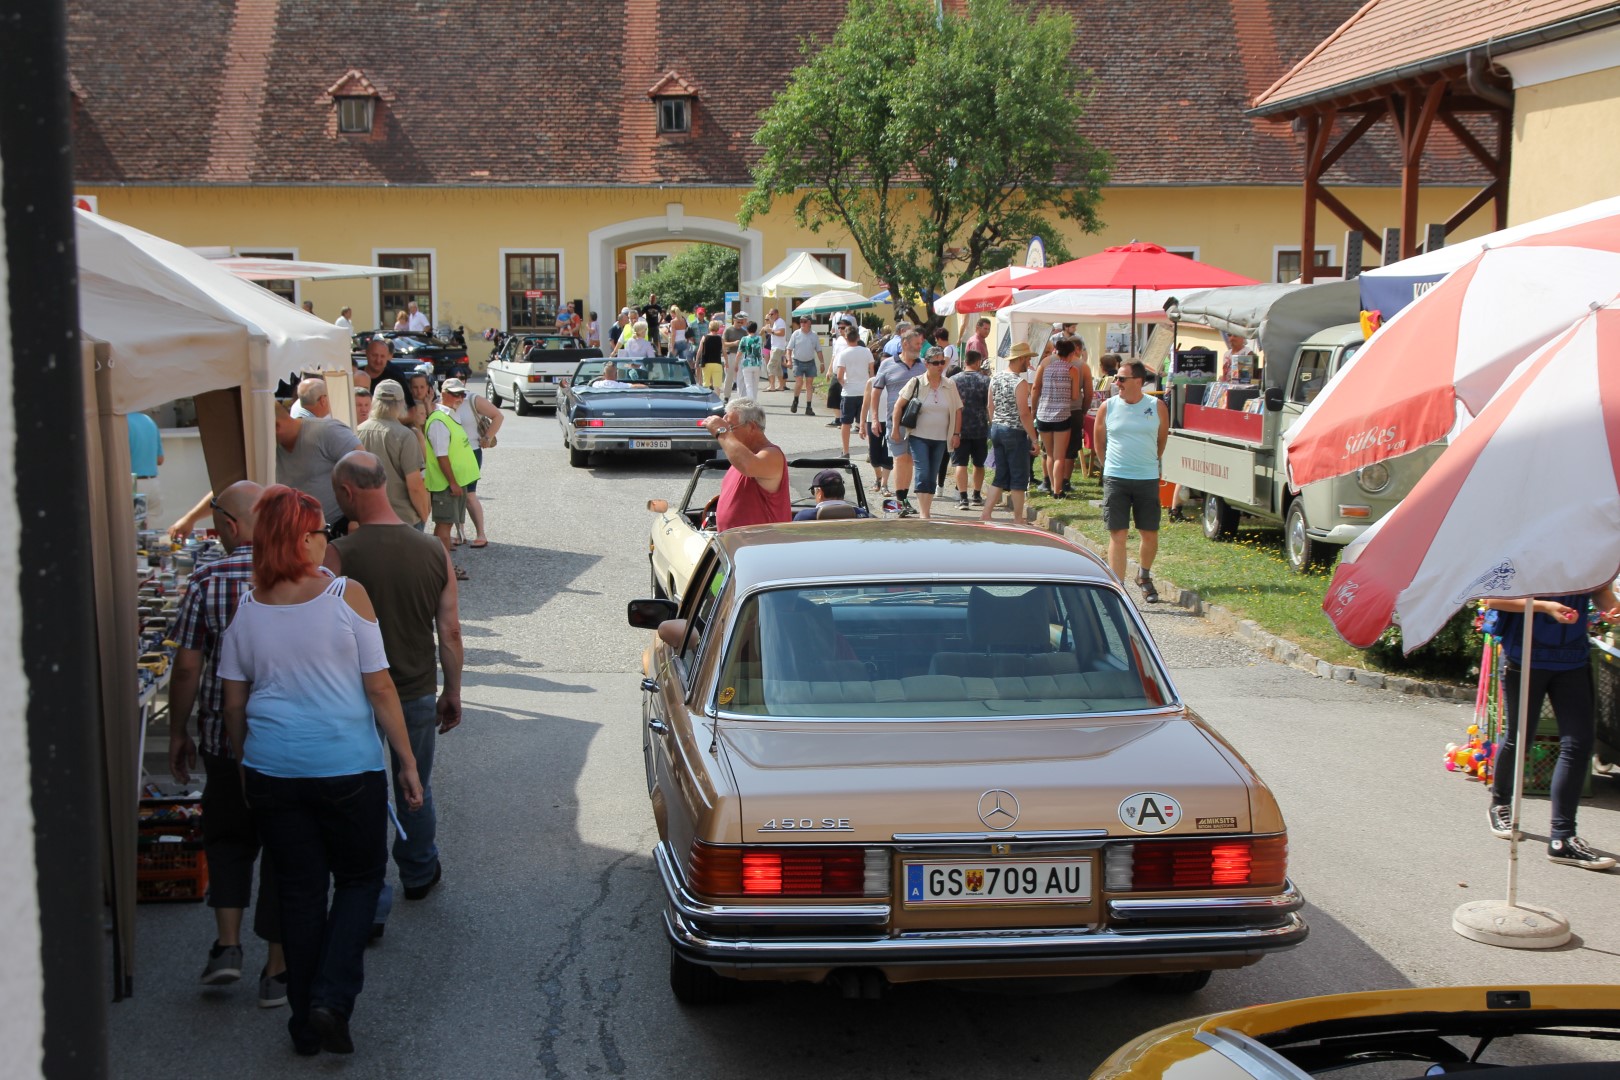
1526 742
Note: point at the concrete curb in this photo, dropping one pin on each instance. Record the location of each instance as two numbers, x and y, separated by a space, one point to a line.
1268 644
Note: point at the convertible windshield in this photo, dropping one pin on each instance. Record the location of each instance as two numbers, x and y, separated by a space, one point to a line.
938 650
647 371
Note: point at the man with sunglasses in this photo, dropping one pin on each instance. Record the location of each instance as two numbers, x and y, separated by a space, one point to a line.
1130 433
230 837
891 379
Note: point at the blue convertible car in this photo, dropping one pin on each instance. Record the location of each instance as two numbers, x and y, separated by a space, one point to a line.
652 405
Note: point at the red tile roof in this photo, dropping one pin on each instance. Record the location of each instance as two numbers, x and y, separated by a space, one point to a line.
1387 37
672 85
517 93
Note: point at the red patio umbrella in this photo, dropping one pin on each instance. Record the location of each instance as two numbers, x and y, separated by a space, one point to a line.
1132 266
993 291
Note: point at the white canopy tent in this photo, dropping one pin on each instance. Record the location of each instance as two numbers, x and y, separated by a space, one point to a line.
161 322
255 268
798 275
1031 320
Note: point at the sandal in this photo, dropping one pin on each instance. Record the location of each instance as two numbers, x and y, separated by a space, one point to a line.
479 544
461 575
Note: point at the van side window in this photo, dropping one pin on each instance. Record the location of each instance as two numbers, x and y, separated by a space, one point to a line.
1315 365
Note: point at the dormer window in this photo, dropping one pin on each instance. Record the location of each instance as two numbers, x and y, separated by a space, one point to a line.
674 116
673 96
356 100
355 115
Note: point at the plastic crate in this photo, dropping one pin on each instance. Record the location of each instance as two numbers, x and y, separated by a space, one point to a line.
1606 703
170 865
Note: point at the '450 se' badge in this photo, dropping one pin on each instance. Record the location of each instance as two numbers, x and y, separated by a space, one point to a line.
1149 812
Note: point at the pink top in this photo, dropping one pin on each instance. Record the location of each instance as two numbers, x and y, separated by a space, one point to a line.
744 501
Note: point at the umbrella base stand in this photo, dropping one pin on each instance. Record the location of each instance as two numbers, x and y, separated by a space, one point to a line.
1510 926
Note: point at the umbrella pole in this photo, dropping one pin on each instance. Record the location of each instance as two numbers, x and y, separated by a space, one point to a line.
1526 744
1513 925
1133 322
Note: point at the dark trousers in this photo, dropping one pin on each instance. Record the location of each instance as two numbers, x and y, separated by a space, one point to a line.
320 831
1571 694
231 842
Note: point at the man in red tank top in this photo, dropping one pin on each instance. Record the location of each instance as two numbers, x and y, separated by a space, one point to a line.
755 490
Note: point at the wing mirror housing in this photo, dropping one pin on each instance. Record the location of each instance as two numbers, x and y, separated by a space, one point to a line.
1274 399
650 614
658 506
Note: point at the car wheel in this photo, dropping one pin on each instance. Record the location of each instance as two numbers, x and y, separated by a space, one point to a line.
1176 982
694 984
578 458
1302 550
494 392
520 403
1220 520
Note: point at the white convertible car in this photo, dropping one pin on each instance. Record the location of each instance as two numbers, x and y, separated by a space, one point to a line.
681 532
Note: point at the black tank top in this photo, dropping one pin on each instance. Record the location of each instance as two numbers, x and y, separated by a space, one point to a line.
709 349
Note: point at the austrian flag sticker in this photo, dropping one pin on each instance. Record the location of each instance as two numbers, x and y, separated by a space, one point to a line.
1150 812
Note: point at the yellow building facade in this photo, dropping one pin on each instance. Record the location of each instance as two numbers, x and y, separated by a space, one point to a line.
473 237
1566 125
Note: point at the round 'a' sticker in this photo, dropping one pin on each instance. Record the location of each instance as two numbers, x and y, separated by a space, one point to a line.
727 694
1150 812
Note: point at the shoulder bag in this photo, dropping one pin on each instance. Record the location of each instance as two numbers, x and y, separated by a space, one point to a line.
911 395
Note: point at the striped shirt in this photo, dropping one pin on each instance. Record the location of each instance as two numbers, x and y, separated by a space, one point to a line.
211 599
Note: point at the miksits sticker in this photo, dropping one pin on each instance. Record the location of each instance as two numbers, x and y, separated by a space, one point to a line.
1150 812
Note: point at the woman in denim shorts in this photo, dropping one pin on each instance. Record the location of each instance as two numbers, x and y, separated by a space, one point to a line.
938 427
1012 434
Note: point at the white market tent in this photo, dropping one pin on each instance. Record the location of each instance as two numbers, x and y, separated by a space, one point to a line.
161 322
797 275
1031 320
254 268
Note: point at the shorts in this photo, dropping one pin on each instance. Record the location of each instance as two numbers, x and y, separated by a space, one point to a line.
877 451
849 409
804 369
447 508
1077 434
478 456
929 454
1124 500
714 375
1052 425
971 451
903 447
1012 457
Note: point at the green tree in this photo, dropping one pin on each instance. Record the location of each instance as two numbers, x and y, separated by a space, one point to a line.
939 143
700 274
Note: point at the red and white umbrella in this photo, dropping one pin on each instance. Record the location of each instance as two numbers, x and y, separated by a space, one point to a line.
1525 502
1454 346
987 292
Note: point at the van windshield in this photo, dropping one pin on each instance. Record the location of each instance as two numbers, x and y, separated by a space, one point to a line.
968 650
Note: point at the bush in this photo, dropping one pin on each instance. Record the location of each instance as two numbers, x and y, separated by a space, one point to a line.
701 274
1452 654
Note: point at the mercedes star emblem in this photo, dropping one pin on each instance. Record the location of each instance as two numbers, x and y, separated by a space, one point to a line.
998 809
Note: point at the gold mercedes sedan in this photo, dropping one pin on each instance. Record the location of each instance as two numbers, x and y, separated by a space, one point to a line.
884 752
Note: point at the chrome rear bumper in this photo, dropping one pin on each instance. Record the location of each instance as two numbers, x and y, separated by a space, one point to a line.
1213 929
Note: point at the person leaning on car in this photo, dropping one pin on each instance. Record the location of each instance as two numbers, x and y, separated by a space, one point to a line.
755 490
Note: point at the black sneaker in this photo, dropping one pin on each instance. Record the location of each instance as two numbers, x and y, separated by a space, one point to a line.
1573 851
907 510
224 965
272 989
1501 821
978 500
1149 593
795 406
808 411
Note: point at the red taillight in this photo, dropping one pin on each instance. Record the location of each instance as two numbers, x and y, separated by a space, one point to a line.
780 871
590 423
1205 864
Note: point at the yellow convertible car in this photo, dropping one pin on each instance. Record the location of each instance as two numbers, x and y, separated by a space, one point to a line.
1443 1031
893 751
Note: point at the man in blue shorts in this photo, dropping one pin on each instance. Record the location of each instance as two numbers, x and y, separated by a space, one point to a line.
1130 433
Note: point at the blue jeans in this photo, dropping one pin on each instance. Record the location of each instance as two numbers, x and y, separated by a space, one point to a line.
928 458
1571 694
417 856
1011 446
320 831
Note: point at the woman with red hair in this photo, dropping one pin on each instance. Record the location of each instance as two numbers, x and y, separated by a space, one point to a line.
306 690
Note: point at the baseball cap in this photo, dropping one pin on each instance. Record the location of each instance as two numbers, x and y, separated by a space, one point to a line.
828 478
453 386
388 390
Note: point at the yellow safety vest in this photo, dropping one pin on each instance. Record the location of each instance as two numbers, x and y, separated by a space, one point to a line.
462 462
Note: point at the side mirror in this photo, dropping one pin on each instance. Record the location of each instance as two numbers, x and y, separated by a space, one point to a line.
658 506
650 614
1274 399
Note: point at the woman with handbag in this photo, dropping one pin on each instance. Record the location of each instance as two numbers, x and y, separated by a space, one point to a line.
930 410
480 420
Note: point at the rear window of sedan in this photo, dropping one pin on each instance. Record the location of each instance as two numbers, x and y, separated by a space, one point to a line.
957 650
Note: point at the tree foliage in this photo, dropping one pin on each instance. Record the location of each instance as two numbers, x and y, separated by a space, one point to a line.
700 274
940 144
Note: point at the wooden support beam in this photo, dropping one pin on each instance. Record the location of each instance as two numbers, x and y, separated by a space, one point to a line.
1472 206
1466 137
1315 146
1346 215
1504 159
1351 137
1419 118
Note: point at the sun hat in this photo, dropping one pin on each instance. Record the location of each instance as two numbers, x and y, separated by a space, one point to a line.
1020 350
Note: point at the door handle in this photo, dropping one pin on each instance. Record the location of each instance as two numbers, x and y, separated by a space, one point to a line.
650 685
657 726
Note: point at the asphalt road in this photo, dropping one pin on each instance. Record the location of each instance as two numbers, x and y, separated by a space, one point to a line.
541 954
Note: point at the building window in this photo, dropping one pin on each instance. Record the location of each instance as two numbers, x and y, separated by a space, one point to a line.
533 290
285 288
355 114
836 261
646 264
1184 252
674 116
398 291
1289 266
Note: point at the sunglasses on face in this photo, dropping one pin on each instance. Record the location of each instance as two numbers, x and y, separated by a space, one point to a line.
936 363
213 504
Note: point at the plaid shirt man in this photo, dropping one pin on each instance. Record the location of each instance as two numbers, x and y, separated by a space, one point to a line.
206 610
